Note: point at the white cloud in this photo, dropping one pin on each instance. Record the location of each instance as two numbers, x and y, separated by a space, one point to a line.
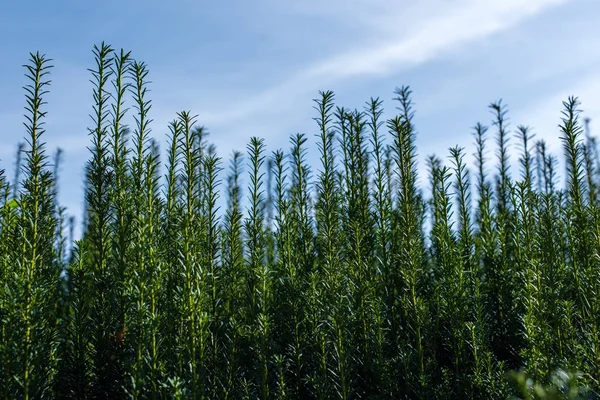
428 38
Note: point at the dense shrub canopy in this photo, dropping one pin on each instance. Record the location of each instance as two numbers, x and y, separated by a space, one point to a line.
348 279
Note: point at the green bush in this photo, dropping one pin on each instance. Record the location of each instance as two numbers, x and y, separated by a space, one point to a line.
350 279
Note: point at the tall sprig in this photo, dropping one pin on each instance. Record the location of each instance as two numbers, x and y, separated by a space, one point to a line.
36 279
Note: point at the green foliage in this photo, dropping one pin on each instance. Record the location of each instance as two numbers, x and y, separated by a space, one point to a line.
355 278
562 385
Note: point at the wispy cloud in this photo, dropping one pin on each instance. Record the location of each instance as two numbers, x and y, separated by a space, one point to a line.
433 37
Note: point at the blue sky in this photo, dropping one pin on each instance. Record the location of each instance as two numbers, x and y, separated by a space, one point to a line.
252 68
